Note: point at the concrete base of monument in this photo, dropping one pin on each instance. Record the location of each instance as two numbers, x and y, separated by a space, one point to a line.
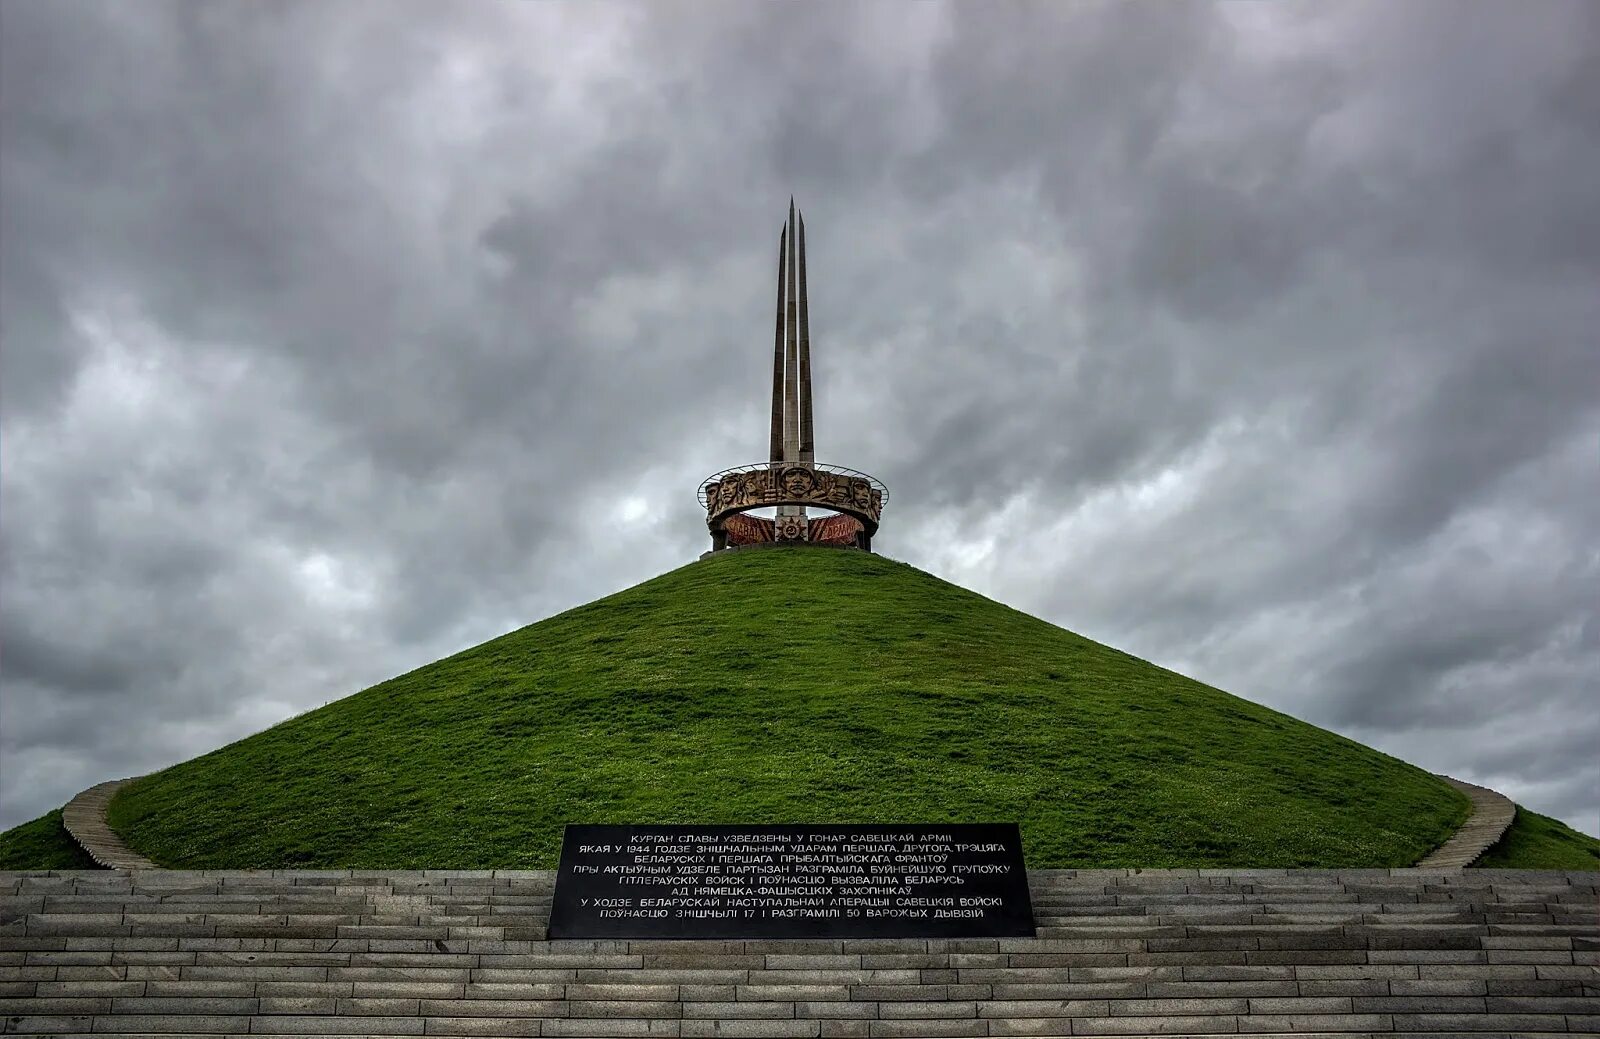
779 544
1118 952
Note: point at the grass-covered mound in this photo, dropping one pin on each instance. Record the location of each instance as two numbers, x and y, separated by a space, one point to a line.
1536 841
790 685
42 844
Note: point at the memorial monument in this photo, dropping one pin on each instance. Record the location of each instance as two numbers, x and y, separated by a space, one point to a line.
791 482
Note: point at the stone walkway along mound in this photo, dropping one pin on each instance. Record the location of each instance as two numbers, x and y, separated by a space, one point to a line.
1492 814
85 819
1118 952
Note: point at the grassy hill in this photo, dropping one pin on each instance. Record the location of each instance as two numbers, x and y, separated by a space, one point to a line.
800 686
771 686
1534 841
1537 841
42 844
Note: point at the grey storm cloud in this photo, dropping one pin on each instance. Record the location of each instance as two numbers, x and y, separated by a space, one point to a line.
1256 340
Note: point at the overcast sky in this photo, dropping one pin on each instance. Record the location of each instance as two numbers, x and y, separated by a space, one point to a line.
1256 340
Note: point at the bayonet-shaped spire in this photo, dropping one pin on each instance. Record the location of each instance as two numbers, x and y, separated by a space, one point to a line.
791 440
791 362
808 454
777 357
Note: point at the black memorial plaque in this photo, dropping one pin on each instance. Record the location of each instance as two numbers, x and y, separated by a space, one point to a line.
953 880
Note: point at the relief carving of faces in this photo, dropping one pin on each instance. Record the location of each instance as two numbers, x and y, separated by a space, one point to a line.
793 483
798 481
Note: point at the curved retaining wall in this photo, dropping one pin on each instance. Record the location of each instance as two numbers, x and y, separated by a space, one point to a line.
1118 953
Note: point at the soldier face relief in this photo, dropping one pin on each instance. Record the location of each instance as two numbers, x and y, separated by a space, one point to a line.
798 482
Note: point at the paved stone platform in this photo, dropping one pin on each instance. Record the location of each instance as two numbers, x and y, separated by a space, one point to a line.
1183 952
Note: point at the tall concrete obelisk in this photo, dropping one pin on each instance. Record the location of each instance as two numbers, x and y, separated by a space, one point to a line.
791 358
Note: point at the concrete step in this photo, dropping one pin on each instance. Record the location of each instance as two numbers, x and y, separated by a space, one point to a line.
1117 953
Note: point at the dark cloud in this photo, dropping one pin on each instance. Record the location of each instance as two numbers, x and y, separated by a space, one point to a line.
1254 340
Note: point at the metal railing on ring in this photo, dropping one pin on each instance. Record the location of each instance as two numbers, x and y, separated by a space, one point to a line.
821 467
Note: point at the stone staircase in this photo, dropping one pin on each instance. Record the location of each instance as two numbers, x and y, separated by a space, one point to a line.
1155 952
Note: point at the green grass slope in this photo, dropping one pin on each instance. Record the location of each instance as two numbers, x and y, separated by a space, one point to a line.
1536 841
802 686
42 844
